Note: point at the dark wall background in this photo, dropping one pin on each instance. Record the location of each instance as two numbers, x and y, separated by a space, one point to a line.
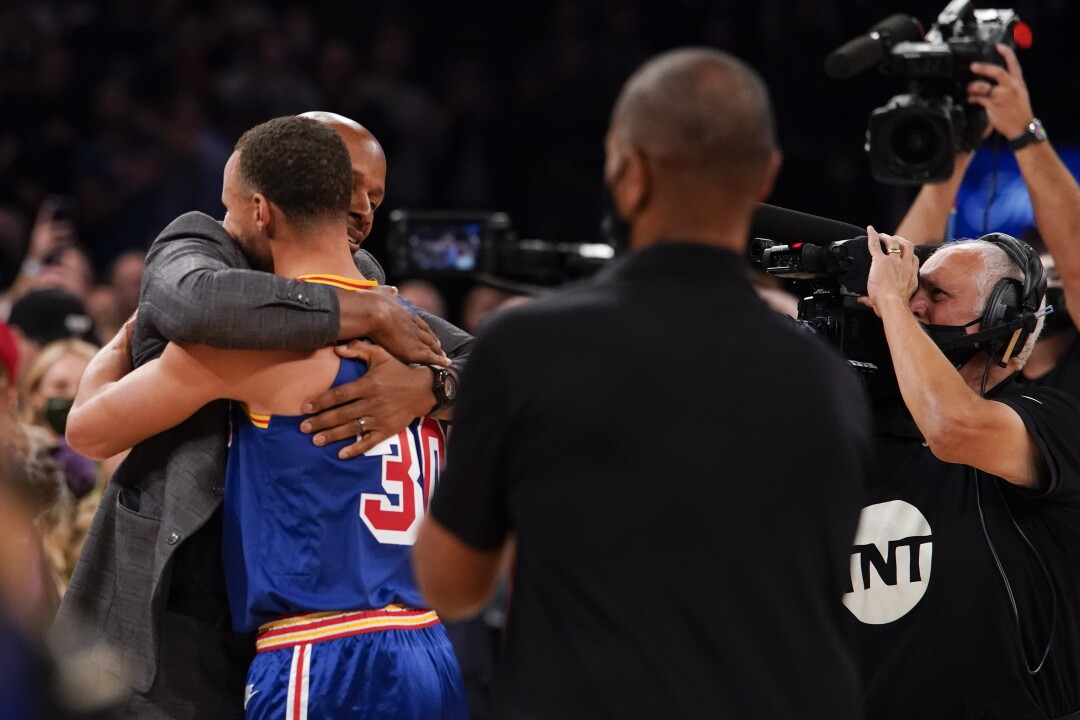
132 107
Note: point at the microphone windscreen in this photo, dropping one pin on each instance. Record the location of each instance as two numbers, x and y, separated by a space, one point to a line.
900 28
791 226
853 57
866 51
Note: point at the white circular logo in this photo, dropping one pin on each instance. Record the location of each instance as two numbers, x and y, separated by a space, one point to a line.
890 562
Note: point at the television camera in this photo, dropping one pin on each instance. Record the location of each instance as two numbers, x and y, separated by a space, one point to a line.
482 246
915 136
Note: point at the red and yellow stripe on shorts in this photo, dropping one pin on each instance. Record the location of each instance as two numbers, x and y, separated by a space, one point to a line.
317 627
300 632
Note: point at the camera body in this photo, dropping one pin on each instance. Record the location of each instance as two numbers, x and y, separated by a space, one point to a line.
483 246
830 278
914 138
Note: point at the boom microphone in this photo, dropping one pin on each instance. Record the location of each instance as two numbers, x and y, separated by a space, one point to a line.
791 226
867 50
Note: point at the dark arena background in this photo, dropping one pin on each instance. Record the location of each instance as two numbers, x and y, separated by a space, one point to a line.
131 107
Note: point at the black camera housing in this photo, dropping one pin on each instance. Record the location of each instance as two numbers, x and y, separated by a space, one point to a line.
482 246
913 139
830 278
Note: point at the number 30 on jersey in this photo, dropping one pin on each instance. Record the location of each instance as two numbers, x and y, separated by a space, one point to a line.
410 470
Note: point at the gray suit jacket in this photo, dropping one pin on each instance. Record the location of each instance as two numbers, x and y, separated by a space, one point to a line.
150 580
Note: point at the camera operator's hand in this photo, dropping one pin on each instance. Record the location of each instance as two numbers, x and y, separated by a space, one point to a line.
894 271
1007 103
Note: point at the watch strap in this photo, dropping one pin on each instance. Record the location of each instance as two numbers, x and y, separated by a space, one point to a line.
438 380
1033 133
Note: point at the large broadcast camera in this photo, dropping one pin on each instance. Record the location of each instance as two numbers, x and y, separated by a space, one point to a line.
827 279
914 137
483 246
828 269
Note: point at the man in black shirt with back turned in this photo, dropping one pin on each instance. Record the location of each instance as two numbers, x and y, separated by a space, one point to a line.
680 468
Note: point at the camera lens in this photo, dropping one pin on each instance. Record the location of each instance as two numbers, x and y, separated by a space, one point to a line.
912 139
915 141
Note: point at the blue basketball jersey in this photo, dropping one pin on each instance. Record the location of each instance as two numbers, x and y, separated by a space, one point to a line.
305 531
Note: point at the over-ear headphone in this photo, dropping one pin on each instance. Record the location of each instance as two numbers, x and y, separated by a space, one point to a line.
1011 311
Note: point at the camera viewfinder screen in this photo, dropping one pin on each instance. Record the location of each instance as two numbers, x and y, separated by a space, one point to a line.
435 247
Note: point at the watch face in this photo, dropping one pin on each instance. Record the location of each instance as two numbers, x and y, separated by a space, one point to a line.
1036 129
449 387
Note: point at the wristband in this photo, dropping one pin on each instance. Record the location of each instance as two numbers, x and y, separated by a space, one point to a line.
1033 133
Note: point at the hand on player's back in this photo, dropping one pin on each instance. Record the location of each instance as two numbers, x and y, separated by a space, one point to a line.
387 398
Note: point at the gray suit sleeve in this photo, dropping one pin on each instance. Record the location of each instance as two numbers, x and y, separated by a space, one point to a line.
197 288
456 343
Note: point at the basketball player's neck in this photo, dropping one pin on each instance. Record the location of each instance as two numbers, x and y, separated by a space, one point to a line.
317 252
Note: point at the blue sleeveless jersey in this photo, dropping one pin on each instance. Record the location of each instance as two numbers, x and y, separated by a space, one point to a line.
306 532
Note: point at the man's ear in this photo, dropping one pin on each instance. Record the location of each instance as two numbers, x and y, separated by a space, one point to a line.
632 182
264 214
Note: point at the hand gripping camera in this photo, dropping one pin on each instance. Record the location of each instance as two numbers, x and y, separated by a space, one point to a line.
915 136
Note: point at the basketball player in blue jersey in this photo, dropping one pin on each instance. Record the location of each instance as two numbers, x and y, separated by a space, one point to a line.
316 547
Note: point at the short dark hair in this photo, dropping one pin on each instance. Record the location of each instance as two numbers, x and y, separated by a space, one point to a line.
300 165
703 108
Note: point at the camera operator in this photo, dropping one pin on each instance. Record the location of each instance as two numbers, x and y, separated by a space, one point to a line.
965 564
1055 200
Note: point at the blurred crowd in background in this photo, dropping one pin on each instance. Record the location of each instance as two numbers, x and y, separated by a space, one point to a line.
119 115
127 110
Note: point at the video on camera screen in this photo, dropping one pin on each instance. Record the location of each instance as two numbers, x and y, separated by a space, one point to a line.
434 247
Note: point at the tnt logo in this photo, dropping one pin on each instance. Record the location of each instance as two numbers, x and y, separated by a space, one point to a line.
890 562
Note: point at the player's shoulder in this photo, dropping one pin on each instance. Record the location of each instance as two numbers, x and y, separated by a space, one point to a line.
233 370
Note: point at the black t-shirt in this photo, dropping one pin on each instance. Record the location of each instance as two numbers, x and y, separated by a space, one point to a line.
937 633
1065 375
682 470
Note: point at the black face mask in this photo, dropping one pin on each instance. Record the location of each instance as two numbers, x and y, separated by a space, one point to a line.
56 413
613 229
1059 319
953 341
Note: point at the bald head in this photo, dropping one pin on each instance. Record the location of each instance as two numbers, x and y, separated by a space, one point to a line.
699 111
329 118
369 171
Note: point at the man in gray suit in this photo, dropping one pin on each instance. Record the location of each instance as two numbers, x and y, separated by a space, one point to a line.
149 582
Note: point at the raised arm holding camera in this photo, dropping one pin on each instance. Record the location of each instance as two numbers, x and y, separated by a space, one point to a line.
965 563
1055 201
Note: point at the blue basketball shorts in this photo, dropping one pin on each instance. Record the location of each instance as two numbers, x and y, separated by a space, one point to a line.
390 664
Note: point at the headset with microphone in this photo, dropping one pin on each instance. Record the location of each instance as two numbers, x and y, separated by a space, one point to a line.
1012 309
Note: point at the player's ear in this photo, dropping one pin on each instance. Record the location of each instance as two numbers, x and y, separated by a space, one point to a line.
264 212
